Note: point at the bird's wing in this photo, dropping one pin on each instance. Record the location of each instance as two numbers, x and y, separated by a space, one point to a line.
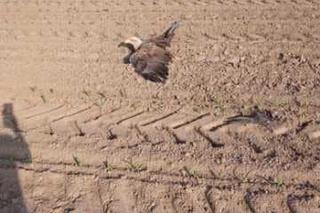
165 38
151 62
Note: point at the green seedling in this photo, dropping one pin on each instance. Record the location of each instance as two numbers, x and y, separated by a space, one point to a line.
274 182
278 183
108 167
191 172
136 167
76 160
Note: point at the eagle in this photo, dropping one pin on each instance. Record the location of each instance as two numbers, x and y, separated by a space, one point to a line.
150 57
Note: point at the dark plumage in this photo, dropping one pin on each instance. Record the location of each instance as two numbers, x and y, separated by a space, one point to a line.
149 57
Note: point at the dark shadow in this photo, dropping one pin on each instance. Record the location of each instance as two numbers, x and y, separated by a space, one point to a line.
13 150
257 116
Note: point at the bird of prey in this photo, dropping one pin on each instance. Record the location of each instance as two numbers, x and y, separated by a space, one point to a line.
149 57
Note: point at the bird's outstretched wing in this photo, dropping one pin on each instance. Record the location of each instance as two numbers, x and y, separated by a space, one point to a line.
151 62
165 38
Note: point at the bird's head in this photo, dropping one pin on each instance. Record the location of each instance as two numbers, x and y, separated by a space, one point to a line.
132 43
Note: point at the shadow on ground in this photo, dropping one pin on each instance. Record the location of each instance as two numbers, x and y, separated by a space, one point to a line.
13 149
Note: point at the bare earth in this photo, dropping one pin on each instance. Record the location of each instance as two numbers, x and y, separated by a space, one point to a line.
80 132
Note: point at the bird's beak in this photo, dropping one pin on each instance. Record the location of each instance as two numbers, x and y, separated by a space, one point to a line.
122 44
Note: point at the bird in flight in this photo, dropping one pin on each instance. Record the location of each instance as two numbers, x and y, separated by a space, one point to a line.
149 57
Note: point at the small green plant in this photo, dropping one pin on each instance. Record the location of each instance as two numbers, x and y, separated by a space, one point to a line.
98 99
136 167
278 183
274 182
8 159
12 159
280 102
244 178
108 167
76 160
303 112
27 160
190 172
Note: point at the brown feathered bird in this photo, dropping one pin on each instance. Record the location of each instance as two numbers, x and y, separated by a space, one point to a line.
149 57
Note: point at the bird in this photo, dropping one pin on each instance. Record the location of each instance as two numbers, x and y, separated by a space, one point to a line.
150 57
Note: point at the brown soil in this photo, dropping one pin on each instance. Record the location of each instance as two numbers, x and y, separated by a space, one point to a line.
82 133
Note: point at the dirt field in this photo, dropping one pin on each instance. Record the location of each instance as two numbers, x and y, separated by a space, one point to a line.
80 132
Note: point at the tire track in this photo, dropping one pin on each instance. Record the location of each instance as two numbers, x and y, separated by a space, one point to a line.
91 117
44 112
147 176
188 122
160 118
128 117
